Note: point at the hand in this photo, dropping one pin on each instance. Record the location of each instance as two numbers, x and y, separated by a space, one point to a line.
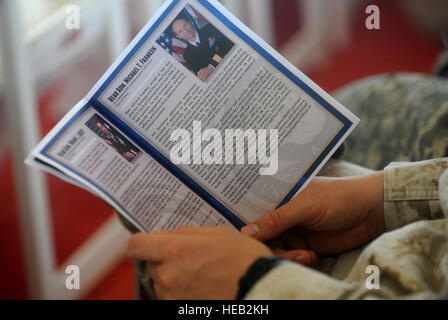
205 72
331 215
197 262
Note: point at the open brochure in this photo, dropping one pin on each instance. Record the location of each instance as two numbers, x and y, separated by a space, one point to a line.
198 122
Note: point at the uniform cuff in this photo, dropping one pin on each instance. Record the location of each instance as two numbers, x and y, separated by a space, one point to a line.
294 281
411 192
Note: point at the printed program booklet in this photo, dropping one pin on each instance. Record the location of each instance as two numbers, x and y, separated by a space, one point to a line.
192 77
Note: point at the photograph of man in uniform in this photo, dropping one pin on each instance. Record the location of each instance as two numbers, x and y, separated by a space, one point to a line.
113 138
204 46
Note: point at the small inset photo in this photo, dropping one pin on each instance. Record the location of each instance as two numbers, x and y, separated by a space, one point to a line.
112 137
195 43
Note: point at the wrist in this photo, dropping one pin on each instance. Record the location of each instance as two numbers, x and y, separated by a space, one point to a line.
373 187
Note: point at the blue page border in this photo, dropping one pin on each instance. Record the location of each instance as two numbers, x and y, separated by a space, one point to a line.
165 162
58 135
141 143
229 24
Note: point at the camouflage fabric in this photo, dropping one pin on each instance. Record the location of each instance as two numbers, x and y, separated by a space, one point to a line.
144 289
411 192
341 168
443 192
412 261
404 117
143 284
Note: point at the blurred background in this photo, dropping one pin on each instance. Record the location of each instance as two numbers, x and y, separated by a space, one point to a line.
46 68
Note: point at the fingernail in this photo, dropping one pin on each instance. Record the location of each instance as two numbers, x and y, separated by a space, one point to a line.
302 259
251 230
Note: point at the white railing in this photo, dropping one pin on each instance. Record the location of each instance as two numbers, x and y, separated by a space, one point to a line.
107 246
326 30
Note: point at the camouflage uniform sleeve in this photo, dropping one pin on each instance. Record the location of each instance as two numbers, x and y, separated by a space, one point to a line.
410 262
443 192
411 192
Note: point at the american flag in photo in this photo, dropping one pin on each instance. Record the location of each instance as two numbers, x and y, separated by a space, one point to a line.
173 46
192 17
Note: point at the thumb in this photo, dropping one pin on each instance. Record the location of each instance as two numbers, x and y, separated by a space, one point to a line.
275 222
305 257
